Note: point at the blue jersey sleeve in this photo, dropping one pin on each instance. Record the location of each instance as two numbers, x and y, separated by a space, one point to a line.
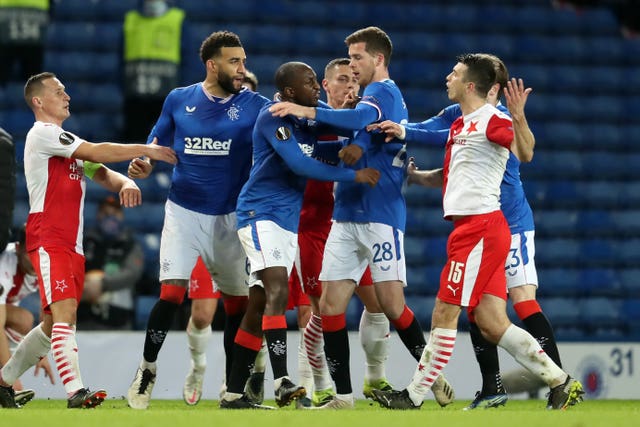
280 134
165 126
435 130
354 119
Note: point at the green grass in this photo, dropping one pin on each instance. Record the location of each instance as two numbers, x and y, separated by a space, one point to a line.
173 413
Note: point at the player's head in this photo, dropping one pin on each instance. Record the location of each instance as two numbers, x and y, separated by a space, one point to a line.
110 217
369 48
24 262
45 95
223 56
473 75
250 81
502 77
339 81
154 8
297 82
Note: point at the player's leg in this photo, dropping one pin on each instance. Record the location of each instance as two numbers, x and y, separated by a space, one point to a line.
204 302
308 263
247 344
179 250
226 259
300 302
374 337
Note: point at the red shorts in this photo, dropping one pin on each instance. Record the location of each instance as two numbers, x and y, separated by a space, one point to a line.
200 283
60 274
309 263
477 249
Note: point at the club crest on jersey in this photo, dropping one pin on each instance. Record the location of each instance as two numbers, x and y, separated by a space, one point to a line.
283 133
233 112
66 138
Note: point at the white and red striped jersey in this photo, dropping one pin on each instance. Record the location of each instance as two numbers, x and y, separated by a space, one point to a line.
14 285
56 188
475 159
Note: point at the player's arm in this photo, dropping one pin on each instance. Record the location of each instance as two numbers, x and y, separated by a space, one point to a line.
115 182
289 150
109 152
524 141
352 119
432 178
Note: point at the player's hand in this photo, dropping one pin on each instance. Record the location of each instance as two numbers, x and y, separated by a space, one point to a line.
392 129
139 168
350 154
351 99
158 152
46 368
411 171
281 109
130 194
516 96
368 176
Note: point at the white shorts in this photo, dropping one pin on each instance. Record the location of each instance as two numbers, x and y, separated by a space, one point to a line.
520 267
187 234
268 245
352 246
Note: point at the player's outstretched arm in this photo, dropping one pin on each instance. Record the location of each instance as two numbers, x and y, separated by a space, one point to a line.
368 176
523 140
392 129
432 178
141 168
282 109
109 152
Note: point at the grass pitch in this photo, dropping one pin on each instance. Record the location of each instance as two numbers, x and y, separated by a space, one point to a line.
173 413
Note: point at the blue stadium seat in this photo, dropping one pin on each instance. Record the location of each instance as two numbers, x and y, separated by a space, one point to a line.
600 252
570 333
13 96
142 308
108 36
630 281
600 312
557 253
115 10
146 218
417 196
95 127
422 308
18 122
627 252
559 282
556 223
20 212
76 10
84 66
155 188
427 221
561 311
414 250
595 223
353 313
601 282
150 243
22 194
95 192
74 36
436 249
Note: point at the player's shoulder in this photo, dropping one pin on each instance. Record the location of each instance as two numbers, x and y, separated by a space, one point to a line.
250 97
488 111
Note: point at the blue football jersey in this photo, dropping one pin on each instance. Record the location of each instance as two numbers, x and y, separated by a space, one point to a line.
283 158
212 139
513 201
385 202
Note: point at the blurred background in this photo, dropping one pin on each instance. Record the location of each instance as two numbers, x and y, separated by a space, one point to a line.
581 58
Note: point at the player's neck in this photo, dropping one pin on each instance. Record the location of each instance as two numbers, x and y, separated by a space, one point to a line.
471 104
46 118
214 89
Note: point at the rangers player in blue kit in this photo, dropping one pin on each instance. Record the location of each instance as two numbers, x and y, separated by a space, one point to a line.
268 215
209 125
